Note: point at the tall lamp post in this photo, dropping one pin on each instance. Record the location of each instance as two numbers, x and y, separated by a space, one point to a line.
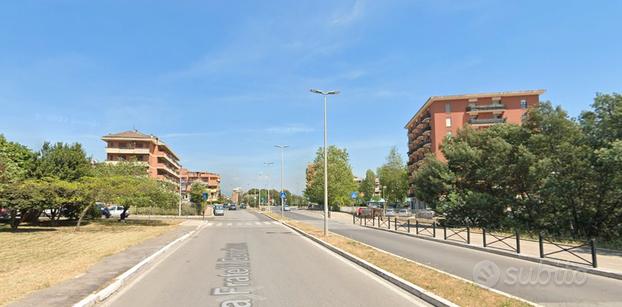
282 159
325 93
268 164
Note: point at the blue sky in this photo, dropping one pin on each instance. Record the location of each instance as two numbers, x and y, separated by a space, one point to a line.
222 82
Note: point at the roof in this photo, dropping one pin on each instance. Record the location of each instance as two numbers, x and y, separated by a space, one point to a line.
130 134
468 96
137 135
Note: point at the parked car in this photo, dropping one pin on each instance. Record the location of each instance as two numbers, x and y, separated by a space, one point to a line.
233 207
105 212
389 212
243 206
115 211
403 212
4 213
219 210
286 208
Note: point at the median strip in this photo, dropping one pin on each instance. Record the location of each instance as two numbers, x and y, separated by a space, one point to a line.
434 286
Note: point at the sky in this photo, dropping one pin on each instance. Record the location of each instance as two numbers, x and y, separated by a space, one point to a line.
222 82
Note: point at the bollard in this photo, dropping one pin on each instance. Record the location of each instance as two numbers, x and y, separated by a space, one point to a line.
484 236
395 224
353 218
434 229
365 221
444 232
593 246
360 221
416 227
373 220
468 235
517 242
388 223
408 225
541 243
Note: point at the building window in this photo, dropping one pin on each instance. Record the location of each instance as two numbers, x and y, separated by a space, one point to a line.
447 107
448 122
523 103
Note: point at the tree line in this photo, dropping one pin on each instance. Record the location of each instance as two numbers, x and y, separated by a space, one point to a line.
60 179
553 173
392 175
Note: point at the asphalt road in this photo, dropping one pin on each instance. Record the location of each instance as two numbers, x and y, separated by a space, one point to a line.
535 282
245 259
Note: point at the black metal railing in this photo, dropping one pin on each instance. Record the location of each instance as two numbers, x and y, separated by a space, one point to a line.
500 240
461 234
569 249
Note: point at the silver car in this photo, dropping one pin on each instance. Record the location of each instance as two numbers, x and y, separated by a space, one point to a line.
219 210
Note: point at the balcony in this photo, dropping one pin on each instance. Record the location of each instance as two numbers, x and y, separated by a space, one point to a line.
486 121
131 151
169 159
497 108
165 167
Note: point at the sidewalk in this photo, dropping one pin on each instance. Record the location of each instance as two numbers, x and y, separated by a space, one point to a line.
608 260
73 290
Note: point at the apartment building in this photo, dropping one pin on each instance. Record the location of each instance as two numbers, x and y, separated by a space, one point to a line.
162 162
210 180
442 116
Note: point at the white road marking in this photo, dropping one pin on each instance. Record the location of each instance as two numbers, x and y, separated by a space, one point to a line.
257 223
210 224
219 224
229 224
266 223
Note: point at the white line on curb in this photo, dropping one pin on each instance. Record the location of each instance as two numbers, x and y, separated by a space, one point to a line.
102 294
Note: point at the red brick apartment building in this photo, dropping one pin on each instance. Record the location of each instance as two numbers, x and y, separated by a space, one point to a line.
210 180
441 116
133 145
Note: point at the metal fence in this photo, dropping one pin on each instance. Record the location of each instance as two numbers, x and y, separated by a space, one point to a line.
509 241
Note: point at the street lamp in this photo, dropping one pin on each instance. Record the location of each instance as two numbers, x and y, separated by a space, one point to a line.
268 164
325 93
282 158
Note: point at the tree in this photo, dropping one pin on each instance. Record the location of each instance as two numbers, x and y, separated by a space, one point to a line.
196 195
394 177
62 161
368 185
17 162
340 179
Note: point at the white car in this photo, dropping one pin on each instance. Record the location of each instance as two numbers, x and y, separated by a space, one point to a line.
115 211
286 208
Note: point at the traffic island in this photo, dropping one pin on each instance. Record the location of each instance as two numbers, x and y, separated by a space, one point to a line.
402 271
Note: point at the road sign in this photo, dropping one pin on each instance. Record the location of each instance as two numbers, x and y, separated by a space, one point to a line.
282 194
354 195
204 195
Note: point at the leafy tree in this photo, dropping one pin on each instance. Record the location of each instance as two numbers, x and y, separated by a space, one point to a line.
340 179
394 177
368 185
63 161
17 162
22 198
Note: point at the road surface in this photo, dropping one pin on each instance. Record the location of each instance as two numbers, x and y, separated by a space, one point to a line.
245 259
539 283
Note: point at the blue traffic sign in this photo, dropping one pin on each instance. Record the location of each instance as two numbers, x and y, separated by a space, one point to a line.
354 195
282 194
204 195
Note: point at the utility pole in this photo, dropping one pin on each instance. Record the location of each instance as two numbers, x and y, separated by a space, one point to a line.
268 183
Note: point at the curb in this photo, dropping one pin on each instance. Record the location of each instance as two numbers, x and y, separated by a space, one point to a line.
388 276
560 264
120 280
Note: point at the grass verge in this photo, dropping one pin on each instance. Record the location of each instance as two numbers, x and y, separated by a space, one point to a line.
453 289
39 257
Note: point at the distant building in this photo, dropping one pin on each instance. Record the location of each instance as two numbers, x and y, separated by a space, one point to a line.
442 116
236 196
210 180
162 162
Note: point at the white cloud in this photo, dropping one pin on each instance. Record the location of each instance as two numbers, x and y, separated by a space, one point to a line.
352 15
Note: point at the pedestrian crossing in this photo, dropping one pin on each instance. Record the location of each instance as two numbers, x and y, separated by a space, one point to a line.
242 224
